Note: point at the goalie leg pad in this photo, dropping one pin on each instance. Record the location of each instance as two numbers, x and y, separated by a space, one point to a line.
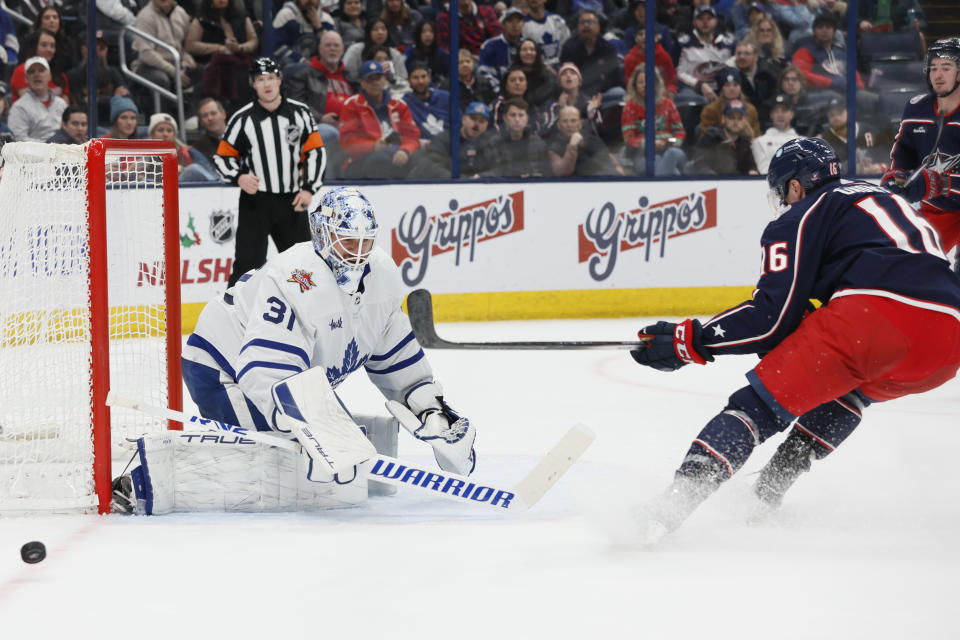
204 471
382 432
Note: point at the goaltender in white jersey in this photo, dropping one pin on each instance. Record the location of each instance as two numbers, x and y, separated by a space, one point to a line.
288 316
333 304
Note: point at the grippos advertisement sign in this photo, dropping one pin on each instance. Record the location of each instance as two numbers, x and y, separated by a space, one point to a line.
474 238
608 232
561 236
419 236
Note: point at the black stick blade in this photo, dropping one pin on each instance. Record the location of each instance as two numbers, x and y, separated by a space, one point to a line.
420 308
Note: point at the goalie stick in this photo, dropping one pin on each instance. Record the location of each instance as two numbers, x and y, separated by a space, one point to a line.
420 310
441 483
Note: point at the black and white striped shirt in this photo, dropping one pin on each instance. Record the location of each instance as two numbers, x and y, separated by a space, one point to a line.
281 147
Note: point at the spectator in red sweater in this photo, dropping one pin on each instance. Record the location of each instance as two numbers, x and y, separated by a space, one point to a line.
478 23
661 60
323 85
824 64
669 135
821 60
377 132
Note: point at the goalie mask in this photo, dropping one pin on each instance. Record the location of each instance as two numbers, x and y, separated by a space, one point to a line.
344 227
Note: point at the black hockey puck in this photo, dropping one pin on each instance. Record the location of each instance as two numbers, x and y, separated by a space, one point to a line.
33 552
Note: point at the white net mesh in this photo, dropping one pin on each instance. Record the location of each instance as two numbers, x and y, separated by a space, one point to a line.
46 447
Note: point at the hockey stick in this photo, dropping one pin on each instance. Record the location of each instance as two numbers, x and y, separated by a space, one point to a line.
420 310
448 485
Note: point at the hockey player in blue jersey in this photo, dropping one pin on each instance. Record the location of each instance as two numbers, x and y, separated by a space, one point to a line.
923 172
889 325
925 158
333 303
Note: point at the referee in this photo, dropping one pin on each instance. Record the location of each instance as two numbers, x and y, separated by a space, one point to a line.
272 151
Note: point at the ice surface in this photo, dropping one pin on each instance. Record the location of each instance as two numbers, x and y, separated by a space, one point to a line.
865 547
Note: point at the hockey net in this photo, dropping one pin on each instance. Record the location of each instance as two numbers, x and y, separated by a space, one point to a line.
89 301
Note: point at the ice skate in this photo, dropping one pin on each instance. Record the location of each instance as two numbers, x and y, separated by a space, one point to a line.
663 515
793 458
123 501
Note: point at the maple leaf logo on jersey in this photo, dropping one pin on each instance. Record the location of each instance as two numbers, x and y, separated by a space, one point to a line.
302 278
351 362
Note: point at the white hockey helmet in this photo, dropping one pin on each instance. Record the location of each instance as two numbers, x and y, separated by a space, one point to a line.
344 227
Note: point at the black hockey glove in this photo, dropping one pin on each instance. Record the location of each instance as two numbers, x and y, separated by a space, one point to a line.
672 345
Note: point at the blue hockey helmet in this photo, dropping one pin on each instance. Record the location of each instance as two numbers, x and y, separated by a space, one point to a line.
810 161
948 49
344 228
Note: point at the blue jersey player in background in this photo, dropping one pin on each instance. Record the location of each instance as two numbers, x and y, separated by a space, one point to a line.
889 326
925 158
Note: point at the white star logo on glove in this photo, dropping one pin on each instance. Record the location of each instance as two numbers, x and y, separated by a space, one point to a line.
718 331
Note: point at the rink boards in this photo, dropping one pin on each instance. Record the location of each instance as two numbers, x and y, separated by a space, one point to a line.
533 249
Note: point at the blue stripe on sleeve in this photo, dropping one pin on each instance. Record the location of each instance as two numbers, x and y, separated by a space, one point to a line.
196 341
400 365
268 365
399 346
279 346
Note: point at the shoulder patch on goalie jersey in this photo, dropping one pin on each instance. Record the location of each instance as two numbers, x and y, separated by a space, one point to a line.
302 278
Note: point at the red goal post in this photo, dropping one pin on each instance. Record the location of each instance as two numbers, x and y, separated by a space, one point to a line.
89 301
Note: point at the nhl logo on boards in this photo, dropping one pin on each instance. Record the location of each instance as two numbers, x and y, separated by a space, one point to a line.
221 226
302 278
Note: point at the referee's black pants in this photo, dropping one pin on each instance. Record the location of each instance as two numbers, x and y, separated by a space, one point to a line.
264 215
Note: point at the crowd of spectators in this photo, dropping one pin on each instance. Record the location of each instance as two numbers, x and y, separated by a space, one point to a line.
546 87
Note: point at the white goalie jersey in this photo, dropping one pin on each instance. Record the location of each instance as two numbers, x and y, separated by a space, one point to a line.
290 315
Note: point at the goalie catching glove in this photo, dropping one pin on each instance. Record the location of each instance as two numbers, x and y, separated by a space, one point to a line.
427 417
672 345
